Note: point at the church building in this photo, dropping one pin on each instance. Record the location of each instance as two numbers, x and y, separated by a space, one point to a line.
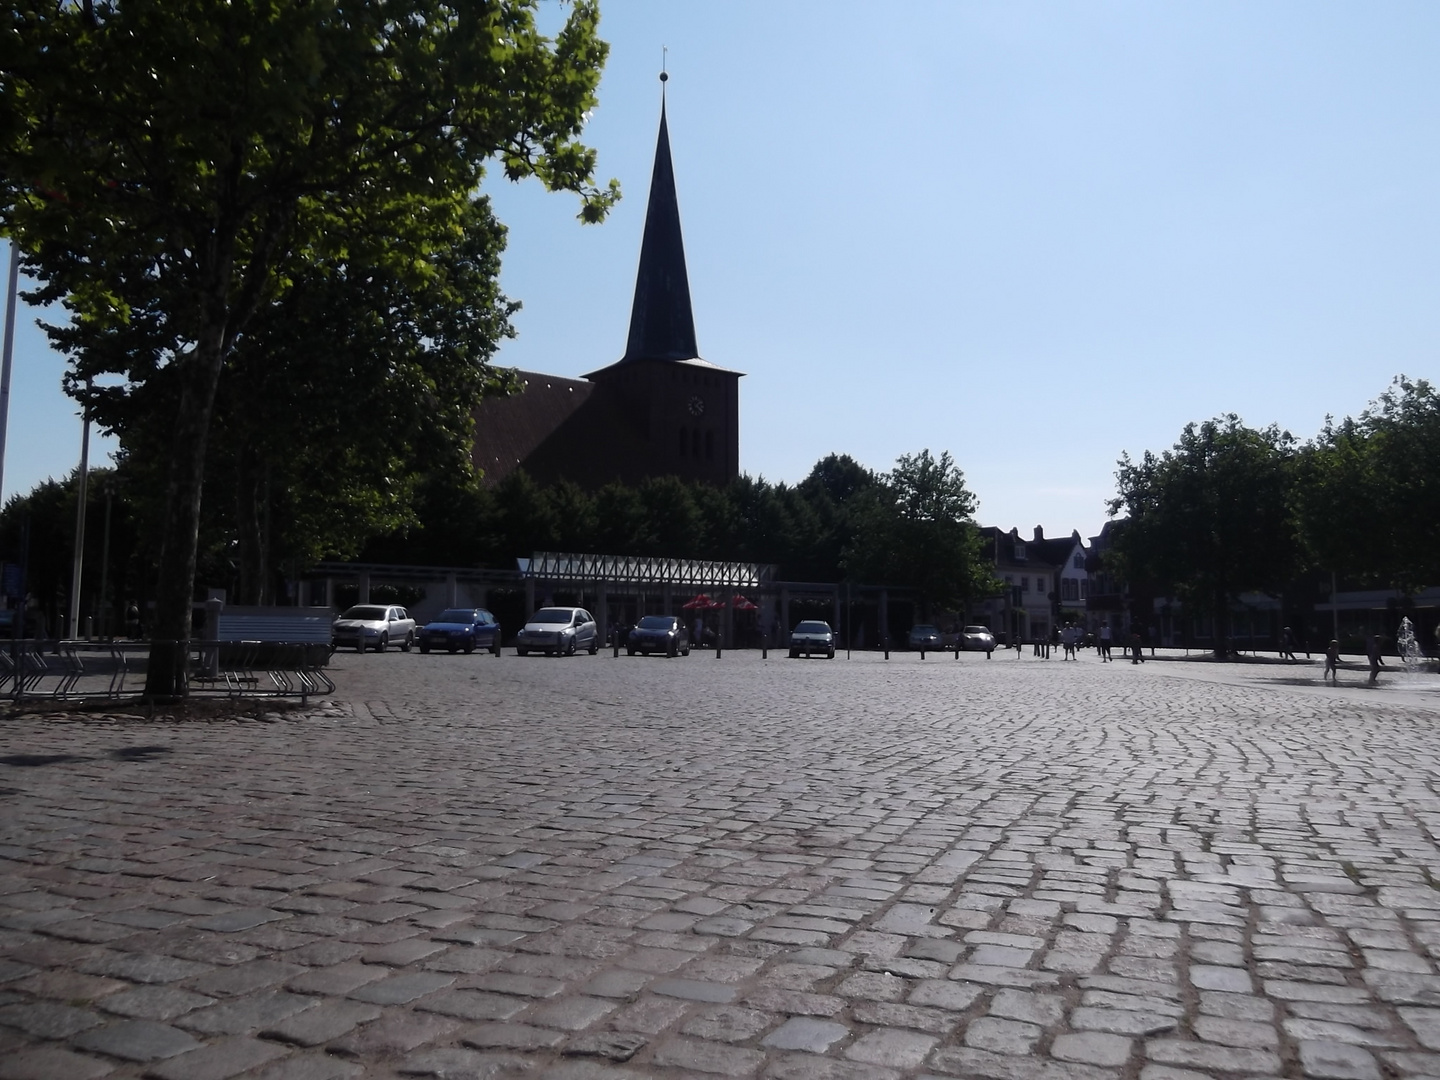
660 410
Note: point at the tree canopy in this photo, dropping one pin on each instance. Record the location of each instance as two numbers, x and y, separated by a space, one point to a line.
171 168
1209 517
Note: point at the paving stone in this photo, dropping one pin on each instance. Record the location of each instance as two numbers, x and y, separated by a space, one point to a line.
394 1033
1092 1048
1046 1010
694 990
245 978
336 979
509 1036
1002 1036
575 1012
803 1033
902 1049
610 1045
459 1064
240 1015
219 1060
154 1002
400 989
52 1063
136 1040
706 1057
1121 1021
473 1004
326 1021
1326 1060
48 1019
1192 1055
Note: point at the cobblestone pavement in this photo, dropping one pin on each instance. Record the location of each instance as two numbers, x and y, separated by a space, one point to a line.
594 868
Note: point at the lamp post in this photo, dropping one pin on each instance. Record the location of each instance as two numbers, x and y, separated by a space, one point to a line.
80 497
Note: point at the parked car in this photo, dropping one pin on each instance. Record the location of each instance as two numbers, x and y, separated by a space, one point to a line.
927 637
977 639
461 628
812 636
373 626
659 633
558 631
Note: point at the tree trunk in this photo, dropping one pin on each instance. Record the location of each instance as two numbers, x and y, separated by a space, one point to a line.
167 675
249 534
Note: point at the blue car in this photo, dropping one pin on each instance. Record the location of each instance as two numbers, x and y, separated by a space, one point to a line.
461 628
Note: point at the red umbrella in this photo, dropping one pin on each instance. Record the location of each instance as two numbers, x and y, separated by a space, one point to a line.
700 603
739 603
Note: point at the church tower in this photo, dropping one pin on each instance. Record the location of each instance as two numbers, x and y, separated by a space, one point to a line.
660 410
684 409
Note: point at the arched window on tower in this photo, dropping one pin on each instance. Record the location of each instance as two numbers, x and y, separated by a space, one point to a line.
695 443
684 440
709 445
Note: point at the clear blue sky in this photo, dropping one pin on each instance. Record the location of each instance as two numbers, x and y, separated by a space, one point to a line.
1034 235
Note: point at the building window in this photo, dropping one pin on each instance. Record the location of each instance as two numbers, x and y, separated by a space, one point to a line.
709 445
1024 584
695 443
1019 551
1079 562
1083 589
684 440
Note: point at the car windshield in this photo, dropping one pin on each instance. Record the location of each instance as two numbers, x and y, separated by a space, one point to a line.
977 630
924 628
553 615
813 628
657 622
364 612
457 615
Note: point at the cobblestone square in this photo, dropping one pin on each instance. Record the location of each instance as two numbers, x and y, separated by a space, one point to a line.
601 867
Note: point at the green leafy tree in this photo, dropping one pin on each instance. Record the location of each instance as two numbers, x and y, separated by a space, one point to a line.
182 162
916 528
1366 498
1210 517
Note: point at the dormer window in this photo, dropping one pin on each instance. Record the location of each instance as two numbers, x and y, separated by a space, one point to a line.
1019 550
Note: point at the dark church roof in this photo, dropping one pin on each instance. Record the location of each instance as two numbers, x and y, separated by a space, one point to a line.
662 324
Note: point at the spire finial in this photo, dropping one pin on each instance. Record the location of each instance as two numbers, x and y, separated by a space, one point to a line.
664 75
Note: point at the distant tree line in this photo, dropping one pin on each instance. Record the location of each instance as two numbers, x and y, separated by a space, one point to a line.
910 527
1232 509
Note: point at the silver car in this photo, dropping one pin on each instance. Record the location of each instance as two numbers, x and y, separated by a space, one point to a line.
812 636
977 639
558 631
373 626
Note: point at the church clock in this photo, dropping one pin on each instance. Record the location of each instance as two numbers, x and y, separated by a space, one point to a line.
696 405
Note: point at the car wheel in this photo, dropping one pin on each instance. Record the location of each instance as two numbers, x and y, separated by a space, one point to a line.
409 640
685 651
495 646
831 654
383 643
629 652
794 654
424 647
469 647
521 652
670 652
570 647
451 648
594 645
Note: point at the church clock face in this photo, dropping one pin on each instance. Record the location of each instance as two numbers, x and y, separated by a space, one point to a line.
696 405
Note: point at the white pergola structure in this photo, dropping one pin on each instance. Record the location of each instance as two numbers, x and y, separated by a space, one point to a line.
637 575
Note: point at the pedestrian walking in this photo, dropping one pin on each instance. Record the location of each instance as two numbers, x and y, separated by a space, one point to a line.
1372 651
1137 648
1332 662
1287 644
1105 640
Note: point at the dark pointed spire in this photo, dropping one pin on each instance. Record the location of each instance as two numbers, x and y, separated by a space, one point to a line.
662 326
